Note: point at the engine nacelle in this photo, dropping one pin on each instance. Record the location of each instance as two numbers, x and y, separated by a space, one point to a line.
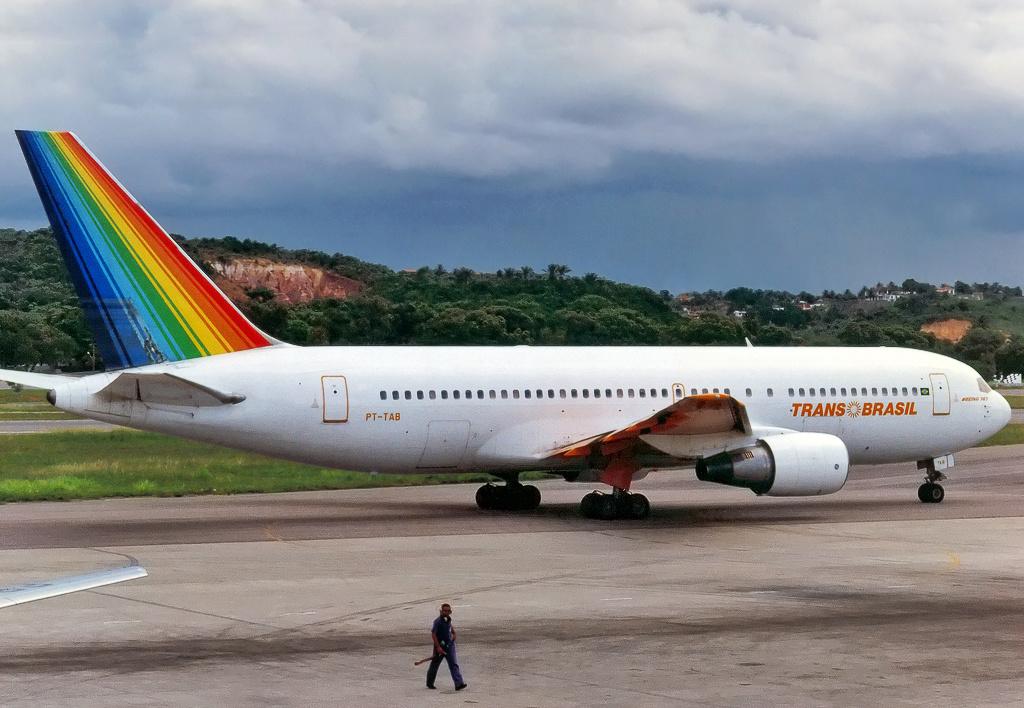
793 465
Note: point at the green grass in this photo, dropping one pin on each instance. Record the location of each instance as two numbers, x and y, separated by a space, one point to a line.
1012 434
29 404
91 465
26 395
1015 401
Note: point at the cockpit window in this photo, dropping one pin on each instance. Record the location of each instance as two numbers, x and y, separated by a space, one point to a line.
983 387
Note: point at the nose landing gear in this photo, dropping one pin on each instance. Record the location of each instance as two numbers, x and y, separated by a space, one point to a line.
620 504
931 492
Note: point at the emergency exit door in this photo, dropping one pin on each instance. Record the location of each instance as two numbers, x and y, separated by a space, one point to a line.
678 392
335 396
940 394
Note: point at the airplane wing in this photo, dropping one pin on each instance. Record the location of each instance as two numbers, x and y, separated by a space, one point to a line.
40 590
33 380
702 414
167 389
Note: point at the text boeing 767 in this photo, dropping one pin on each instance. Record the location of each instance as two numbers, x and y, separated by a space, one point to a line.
182 359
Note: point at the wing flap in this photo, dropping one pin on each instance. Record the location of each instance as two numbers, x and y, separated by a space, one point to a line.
40 590
702 414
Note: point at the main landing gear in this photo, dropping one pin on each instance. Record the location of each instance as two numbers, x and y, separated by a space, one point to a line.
513 496
620 504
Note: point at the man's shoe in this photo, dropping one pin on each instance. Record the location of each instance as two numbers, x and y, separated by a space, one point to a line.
461 686
433 687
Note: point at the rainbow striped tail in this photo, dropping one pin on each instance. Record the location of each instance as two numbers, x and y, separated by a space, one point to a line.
144 298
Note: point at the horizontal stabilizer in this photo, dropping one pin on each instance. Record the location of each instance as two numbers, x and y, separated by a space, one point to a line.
32 380
167 389
18 594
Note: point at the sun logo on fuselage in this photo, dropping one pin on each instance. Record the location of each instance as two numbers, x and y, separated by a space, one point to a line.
853 409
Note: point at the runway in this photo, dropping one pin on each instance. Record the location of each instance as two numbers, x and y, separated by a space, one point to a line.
866 596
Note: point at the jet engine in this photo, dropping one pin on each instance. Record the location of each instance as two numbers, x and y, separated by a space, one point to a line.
793 465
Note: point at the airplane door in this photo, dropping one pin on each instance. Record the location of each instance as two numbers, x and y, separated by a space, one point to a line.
678 392
446 444
335 393
940 394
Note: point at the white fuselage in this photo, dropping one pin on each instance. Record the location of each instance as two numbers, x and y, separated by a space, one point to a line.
408 409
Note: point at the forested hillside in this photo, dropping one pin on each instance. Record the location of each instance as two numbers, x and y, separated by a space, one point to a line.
41 323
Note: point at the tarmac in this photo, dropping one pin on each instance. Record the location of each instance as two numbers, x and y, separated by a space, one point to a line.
720 598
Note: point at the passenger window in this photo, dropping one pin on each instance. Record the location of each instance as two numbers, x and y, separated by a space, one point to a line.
843 390
904 390
654 393
432 395
561 393
540 393
419 395
492 394
551 393
574 393
749 393
408 395
586 393
618 393
394 395
790 393
714 390
504 393
727 392
771 393
885 391
832 390
693 392
874 391
597 393
810 392
631 393
643 393
455 394
480 393
383 395
703 390
822 392
608 393
863 391
444 395
801 392
664 393
914 390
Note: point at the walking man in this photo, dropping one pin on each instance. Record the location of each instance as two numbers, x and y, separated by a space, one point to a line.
443 636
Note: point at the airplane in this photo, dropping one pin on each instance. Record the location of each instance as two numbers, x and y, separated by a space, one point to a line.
182 359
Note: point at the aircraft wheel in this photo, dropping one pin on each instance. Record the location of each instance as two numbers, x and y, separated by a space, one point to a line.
606 507
637 507
529 497
588 505
931 493
487 497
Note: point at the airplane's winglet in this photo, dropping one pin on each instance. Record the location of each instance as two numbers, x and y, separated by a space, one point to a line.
43 589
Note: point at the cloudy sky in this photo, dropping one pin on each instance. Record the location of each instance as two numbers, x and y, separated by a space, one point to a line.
681 145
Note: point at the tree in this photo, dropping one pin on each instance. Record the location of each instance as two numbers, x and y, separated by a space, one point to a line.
1009 358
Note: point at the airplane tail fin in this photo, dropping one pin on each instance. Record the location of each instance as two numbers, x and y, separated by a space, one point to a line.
144 298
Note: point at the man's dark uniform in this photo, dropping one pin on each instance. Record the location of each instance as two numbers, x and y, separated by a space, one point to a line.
442 630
